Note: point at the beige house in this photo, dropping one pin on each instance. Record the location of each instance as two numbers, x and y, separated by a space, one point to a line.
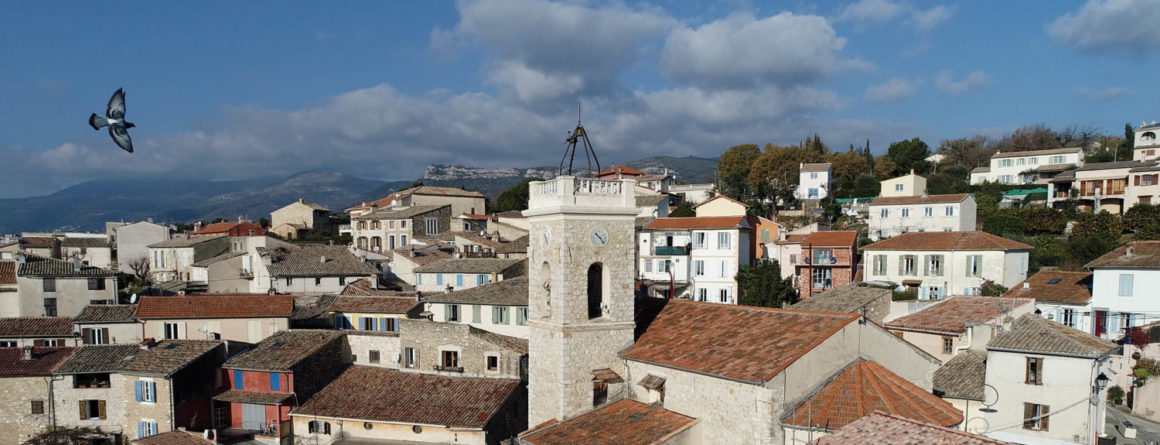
397 227
168 384
721 205
466 273
907 185
240 318
1105 186
299 216
451 349
50 287
312 269
18 332
26 408
461 201
960 323
91 251
405 261
102 324
173 259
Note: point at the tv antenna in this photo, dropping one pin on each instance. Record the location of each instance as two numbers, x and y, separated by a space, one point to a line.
575 137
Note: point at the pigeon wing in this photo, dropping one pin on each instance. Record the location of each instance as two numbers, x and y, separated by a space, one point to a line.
120 135
117 105
97 122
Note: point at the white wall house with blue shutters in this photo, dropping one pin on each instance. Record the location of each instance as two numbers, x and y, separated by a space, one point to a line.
500 319
1124 283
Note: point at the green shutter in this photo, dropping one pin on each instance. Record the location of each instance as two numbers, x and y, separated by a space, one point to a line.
475 310
446 312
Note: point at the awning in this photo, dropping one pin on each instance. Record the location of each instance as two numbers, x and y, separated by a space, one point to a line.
912 282
652 382
256 398
607 376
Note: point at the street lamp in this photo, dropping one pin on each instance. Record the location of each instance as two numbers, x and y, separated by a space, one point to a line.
1101 382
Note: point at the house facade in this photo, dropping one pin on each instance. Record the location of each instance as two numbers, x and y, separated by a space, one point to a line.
828 261
397 227
132 241
814 181
1060 296
891 216
1027 167
466 273
500 307
664 263
1145 146
1121 280
373 313
91 251
240 318
50 287
906 185
716 250
299 216
27 408
102 324
1106 186
313 269
19 332
935 265
166 386
173 259
959 323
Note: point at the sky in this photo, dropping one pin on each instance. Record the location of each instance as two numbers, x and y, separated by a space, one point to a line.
230 90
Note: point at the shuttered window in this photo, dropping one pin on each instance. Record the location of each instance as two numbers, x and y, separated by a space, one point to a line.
1034 371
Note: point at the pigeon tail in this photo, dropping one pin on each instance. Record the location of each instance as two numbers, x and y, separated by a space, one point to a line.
98 122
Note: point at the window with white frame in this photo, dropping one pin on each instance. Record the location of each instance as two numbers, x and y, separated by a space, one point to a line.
974 265
1033 161
813 193
1005 163
723 240
934 265
949 211
822 256
813 175
879 264
906 212
906 265
702 294
432 226
1057 159
928 212
723 295
1067 317
1022 161
1005 179
699 240
171 331
898 187
823 278
648 266
885 213
934 293
699 268
664 266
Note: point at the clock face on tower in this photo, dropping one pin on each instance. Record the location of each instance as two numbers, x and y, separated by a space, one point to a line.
599 237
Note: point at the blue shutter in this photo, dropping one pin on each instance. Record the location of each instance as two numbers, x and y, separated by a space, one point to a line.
383 324
374 324
275 381
479 280
419 277
140 430
338 318
137 390
238 384
153 427
362 321
459 280
439 279
152 391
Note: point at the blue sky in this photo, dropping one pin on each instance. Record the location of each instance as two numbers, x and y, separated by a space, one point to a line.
226 90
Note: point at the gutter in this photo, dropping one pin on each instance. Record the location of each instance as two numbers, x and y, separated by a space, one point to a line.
1059 354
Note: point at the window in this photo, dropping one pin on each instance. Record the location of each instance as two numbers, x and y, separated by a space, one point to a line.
410 358
699 240
949 211
1005 179
898 187
1034 371
459 280
823 278
1067 317
906 212
317 281
928 212
171 331
906 265
493 363
648 266
702 294
402 242
475 313
934 293
948 345
432 226
145 391
1147 180
1035 417
439 279
1056 159
96 284
974 265
146 429
342 281
793 258
521 316
885 213
49 284
595 292
664 266
450 359
1033 161
275 381
7 344
1022 161
452 312
934 265
289 281
499 315
823 256
49 307
699 268
723 240
373 356
37 407
813 193
813 175
92 409
481 279
1005 163
315 426
239 382
1126 282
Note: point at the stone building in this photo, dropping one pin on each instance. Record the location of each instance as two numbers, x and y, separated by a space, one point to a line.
17 332
296 217
379 313
173 259
450 349
168 385
461 201
24 409
91 390
101 324
50 287
392 228
239 318
500 307
132 241
312 269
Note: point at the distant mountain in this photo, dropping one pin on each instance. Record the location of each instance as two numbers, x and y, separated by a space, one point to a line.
691 169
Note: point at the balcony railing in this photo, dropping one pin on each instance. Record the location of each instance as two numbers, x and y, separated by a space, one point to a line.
449 368
670 250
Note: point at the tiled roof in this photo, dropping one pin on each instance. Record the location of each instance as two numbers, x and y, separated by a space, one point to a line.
443 191
815 167
848 299
400 213
863 388
952 315
469 265
518 245
947 241
928 199
215 306
963 376
1115 165
320 261
625 422
1137 254
981 170
1034 334
105 313
258 398
35 266
725 197
650 200
703 222
174 438
759 342
383 305
44 361
7 272
283 350
620 170
85 242
37 242
1056 286
838 238
422 256
509 292
99 358
884 429
1050 151
795 238
378 394
1147 168
219 258
169 356
515 344
36 326
185 241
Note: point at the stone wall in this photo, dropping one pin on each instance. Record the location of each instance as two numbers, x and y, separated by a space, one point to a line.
17 423
319 369
430 338
68 399
386 343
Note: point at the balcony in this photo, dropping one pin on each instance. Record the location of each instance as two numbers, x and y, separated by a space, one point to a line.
449 368
247 274
670 250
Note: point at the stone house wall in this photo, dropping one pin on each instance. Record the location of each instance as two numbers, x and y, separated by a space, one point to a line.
431 338
17 423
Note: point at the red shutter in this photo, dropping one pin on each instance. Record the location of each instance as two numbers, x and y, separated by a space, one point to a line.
1136 180
87 335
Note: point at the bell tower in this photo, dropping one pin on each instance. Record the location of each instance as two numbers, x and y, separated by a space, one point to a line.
580 291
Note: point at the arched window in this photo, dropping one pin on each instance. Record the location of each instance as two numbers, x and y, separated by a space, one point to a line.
595 290
1148 136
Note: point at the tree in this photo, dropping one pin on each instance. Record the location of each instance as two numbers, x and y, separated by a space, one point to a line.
952 179
733 168
1029 137
264 223
865 186
992 289
884 168
1090 224
514 198
140 267
217 220
815 144
971 152
846 167
684 209
1004 225
909 155
780 165
762 285
1141 216
1087 248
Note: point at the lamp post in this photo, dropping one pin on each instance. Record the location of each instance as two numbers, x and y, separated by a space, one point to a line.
1098 407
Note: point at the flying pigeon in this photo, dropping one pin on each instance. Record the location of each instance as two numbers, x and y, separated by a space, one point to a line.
115 120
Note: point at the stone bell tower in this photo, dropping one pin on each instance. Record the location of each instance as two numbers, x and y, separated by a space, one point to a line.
580 291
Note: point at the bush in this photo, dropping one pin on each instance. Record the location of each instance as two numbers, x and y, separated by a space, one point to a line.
1116 395
1004 225
1090 224
1142 373
1043 220
904 295
992 289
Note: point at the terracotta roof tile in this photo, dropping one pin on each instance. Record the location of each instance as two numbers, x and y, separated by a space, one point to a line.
1031 333
929 199
170 356
1137 254
215 306
7 272
283 350
382 305
35 266
400 212
947 241
99 358
509 292
364 287
469 265
863 388
838 238
795 238
848 299
174 438
44 361
757 342
951 316
515 344
36 326
963 376
37 242
725 197
315 260
884 429
620 170
1056 286
372 393
626 422
259 398
693 222
104 313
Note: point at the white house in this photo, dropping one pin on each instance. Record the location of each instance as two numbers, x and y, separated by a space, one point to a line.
938 264
890 216
1146 147
717 247
465 273
1027 167
1060 296
814 181
663 257
1123 281
500 307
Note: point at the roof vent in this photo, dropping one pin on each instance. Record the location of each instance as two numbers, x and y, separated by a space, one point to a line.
1130 251
322 259
26 353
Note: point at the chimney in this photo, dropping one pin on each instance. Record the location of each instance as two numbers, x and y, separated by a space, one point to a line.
912 171
1131 250
26 353
181 293
1026 284
272 291
322 259
148 220
147 344
241 219
300 200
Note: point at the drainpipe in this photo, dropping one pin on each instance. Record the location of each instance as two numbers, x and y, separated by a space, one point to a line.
970 338
173 406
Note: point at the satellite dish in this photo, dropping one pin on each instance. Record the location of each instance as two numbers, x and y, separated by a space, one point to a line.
133 299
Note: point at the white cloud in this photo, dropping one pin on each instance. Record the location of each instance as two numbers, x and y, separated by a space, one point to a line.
531 85
872 11
892 90
929 19
1126 25
1101 93
741 50
945 82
